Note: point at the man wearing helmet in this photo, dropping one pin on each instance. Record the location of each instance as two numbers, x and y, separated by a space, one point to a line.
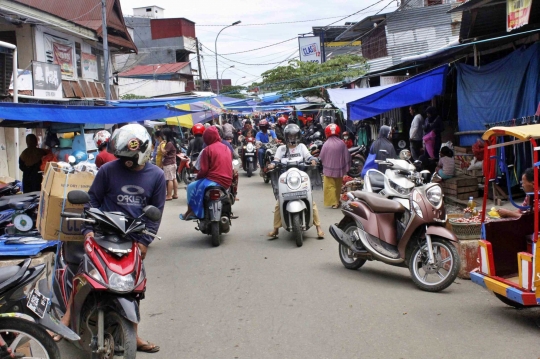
280 126
293 150
196 144
263 136
101 139
128 185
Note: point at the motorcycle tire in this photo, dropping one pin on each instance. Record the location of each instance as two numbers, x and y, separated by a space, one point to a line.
346 260
266 178
250 169
123 333
214 232
509 302
297 230
357 170
36 333
185 176
452 272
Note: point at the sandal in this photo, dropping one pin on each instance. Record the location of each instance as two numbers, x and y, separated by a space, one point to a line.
320 235
168 199
174 197
336 206
188 218
148 348
273 234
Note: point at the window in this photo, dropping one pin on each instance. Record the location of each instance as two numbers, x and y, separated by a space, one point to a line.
100 64
78 59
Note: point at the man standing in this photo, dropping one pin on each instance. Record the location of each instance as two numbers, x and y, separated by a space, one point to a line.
416 132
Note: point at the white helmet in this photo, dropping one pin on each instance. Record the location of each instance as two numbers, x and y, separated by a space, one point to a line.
131 142
101 138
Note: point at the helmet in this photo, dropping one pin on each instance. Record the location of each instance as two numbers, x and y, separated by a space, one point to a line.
291 134
80 156
263 124
282 121
131 141
219 130
198 129
309 119
101 138
332 130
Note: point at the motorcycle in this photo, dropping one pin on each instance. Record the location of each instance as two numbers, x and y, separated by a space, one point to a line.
249 155
358 159
270 152
292 186
315 148
186 170
18 213
9 189
24 318
413 236
106 278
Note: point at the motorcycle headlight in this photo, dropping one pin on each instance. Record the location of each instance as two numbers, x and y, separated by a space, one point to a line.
250 147
122 283
294 180
417 209
434 196
399 189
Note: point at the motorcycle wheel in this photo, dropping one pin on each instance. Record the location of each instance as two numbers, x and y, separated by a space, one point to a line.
250 169
214 231
185 176
356 171
509 302
297 229
120 336
19 334
446 260
344 252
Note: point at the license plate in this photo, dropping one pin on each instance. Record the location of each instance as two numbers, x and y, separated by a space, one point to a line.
250 154
37 303
295 194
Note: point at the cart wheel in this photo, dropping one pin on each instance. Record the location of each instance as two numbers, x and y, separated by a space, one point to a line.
509 302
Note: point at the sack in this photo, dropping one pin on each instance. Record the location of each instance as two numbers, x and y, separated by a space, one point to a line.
49 157
54 189
429 141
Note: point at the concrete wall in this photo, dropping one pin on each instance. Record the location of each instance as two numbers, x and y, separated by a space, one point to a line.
149 88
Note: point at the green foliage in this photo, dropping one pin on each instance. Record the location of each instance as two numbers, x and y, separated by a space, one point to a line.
233 91
131 96
300 75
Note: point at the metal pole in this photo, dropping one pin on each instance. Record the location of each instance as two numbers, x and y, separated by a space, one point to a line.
216 53
199 64
105 49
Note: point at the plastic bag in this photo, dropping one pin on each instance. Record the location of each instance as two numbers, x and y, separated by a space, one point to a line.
429 141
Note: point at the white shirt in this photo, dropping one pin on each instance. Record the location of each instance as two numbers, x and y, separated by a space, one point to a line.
416 131
298 154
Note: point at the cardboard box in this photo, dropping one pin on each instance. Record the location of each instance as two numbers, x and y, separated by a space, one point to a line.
54 189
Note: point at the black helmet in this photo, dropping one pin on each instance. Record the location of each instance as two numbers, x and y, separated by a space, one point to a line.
292 134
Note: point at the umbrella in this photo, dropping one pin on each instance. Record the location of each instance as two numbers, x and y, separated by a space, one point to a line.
204 112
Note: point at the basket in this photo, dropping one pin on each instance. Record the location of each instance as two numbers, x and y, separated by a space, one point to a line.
466 230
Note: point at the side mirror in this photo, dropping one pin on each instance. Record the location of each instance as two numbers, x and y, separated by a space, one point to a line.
383 151
78 197
152 213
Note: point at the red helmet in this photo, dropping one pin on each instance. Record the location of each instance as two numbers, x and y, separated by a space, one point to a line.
263 124
309 119
198 129
332 130
282 121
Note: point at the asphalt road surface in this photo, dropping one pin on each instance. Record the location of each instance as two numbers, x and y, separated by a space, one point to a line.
255 298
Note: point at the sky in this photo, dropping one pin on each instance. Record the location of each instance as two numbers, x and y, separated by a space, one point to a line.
295 17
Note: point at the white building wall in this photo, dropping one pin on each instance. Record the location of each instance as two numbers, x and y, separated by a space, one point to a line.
149 88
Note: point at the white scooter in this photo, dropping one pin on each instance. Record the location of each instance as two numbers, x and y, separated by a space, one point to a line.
292 187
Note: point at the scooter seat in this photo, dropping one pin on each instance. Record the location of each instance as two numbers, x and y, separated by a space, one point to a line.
379 204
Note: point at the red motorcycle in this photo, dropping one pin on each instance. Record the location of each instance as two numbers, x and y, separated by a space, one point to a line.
186 170
105 277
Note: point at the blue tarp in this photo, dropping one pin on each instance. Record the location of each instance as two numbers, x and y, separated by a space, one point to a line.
500 91
419 88
15 246
340 97
85 114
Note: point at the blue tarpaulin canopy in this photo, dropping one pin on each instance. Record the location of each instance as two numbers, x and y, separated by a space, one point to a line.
340 97
419 88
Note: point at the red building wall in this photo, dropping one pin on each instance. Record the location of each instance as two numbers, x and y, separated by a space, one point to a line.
167 28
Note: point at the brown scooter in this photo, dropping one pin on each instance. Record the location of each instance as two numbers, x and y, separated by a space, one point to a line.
377 228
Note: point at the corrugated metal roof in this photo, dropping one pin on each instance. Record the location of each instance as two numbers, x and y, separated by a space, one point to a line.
158 69
380 64
87 13
418 30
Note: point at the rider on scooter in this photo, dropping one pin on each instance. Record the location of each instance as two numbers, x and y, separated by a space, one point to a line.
263 136
280 126
294 151
196 145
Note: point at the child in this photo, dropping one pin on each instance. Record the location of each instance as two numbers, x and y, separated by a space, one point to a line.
347 139
445 167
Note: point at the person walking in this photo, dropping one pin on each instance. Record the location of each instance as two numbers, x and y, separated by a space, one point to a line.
416 132
169 164
336 161
30 165
433 123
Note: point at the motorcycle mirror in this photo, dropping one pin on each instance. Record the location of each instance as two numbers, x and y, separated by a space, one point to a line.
152 213
78 197
383 151
235 162
72 159
417 162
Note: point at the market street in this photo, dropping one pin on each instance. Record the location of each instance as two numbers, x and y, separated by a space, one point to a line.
258 298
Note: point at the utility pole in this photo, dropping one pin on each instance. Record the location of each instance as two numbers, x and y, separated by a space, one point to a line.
105 49
199 64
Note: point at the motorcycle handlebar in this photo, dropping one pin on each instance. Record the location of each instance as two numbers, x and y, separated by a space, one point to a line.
151 234
71 215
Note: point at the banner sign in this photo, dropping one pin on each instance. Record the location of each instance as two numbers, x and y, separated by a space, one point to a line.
517 13
47 80
89 66
61 52
24 81
310 49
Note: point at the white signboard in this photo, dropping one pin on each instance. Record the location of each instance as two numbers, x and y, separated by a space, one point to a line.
310 49
390 80
47 80
24 81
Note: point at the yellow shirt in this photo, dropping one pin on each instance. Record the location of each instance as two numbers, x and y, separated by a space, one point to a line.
159 153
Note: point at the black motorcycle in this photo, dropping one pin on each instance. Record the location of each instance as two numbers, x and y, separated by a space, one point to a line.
358 160
18 213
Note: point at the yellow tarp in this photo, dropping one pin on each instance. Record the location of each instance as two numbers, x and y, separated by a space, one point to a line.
523 133
182 121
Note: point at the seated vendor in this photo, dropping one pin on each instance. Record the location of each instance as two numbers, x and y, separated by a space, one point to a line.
527 183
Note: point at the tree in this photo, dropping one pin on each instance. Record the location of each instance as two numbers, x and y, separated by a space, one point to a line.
299 75
233 91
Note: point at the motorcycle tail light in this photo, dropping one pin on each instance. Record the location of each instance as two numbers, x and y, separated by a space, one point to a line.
215 194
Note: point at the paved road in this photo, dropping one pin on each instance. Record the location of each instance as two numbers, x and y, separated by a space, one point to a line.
256 298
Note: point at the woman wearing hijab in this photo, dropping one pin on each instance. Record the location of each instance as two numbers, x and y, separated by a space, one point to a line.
336 161
30 163
380 150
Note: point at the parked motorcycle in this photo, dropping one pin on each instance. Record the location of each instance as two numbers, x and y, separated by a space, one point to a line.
292 184
315 148
18 213
107 278
249 155
413 236
9 189
23 315
358 159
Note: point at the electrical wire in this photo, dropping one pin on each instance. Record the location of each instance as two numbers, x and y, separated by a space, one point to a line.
355 13
278 23
264 47
243 63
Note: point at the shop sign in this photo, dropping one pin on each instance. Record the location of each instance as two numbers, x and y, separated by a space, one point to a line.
24 81
310 49
61 52
47 80
89 66
517 13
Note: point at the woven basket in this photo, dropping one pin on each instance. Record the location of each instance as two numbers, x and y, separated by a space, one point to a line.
466 230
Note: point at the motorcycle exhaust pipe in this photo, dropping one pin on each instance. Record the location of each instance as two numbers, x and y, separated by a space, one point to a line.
343 239
225 225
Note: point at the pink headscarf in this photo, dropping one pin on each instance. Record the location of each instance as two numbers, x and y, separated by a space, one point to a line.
335 158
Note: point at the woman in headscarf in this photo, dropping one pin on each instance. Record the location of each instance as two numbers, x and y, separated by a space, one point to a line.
381 149
30 163
336 161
